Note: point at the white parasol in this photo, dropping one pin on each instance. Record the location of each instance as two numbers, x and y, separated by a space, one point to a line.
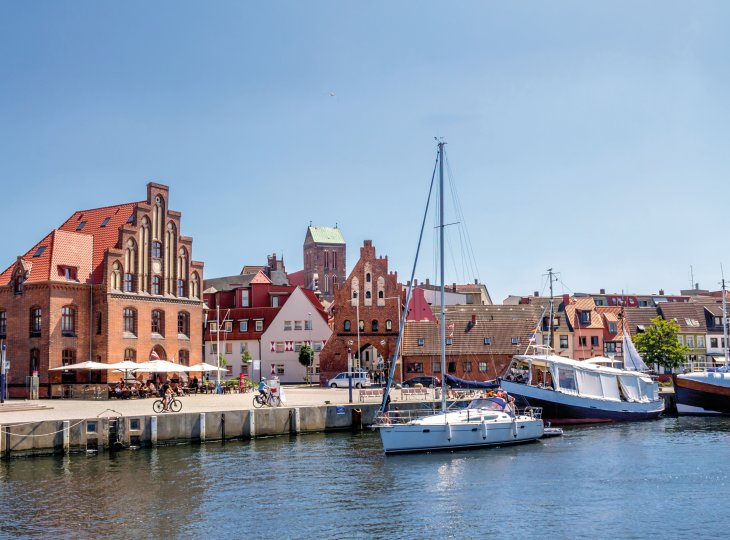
127 365
204 368
82 365
161 366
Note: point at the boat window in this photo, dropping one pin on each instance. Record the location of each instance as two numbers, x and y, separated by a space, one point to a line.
493 404
566 380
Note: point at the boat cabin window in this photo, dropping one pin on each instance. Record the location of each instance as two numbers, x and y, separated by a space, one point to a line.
493 404
566 379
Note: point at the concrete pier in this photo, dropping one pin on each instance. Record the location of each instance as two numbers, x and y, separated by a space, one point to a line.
116 432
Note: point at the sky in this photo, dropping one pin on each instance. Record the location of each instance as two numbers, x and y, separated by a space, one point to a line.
590 137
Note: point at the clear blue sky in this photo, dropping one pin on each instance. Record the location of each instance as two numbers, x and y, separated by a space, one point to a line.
591 137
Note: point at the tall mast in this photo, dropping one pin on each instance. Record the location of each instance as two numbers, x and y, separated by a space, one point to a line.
724 324
550 322
443 277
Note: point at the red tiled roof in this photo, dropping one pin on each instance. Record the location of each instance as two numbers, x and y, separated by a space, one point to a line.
104 237
296 278
84 248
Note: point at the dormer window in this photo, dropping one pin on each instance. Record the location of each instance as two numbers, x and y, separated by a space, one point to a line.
515 341
69 273
612 328
585 317
487 341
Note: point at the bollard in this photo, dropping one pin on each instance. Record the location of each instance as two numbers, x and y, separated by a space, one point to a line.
356 419
297 420
252 424
223 427
153 430
66 436
202 427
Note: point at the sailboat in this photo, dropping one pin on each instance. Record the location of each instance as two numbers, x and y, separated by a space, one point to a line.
484 422
584 392
706 392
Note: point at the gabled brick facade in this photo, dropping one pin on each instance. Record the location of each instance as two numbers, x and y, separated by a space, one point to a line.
373 293
65 299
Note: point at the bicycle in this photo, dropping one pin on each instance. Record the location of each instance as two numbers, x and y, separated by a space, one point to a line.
271 400
175 405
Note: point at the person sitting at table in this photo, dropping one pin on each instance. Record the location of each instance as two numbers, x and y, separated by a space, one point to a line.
118 390
152 388
194 384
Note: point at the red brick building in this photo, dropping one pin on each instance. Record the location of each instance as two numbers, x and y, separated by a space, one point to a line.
371 300
109 284
480 341
324 260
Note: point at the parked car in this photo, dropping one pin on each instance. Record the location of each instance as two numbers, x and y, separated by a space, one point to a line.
426 380
360 379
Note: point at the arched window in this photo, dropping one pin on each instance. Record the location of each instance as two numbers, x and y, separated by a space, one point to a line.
389 325
144 266
3 323
361 325
116 276
367 277
195 286
183 323
35 321
68 357
367 295
354 287
374 325
130 355
156 249
182 271
183 357
130 265
381 295
99 321
158 322
326 283
155 284
130 321
346 326
35 361
19 279
68 321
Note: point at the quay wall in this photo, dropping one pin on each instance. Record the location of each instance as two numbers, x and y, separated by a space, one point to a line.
112 433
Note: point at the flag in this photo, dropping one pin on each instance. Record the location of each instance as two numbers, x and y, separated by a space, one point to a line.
532 338
154 355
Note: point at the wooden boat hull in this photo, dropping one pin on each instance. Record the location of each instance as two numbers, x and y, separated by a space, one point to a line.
702 393
559 408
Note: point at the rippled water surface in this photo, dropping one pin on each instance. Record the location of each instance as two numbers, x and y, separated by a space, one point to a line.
668 479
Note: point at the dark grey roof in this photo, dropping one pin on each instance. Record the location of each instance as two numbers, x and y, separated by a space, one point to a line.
228 283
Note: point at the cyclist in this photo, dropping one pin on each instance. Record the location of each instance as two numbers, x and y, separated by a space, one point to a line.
165 394
264 390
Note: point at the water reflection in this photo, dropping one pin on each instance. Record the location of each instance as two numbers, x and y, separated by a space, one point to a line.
599 482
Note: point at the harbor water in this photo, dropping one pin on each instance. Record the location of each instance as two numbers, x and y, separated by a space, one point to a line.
668 478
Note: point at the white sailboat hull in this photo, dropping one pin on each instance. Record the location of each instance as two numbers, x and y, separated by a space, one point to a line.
420 437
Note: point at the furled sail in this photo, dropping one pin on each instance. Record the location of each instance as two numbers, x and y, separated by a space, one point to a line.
632 358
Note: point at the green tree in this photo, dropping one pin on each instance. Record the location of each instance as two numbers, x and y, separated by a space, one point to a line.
245 358
222 362
306 358
658 344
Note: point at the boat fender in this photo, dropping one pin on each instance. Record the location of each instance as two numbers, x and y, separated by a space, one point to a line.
484 430
448 427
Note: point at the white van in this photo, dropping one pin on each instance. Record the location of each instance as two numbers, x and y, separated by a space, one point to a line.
360 379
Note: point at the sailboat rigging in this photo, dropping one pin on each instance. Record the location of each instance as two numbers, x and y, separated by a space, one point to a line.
485 422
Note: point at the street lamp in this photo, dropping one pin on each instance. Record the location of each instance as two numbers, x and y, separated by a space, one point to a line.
310 368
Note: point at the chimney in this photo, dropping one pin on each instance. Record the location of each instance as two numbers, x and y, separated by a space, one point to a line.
473 319
408 283
428 281
566 299
454 286
536 294
661 292
476 281
697 286
603 291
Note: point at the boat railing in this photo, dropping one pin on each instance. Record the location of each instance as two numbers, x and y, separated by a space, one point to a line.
405 416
